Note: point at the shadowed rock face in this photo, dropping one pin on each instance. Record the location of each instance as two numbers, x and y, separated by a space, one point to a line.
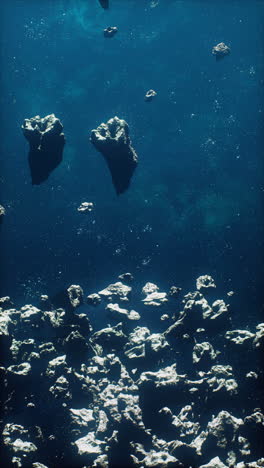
104 4
46 142
113 142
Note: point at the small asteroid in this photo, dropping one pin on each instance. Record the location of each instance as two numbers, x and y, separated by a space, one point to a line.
150 95
93 299
2 213
110 31
220 50
85 206
174 291
127 277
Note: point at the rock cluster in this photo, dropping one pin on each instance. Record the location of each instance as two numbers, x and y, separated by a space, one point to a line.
186 395
46 140
113 142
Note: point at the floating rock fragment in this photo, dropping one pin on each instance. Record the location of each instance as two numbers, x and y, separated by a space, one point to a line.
2 213
85 206
93 299
174 291
118 312
149 288
239 337
46 140
127 277
205 282
153 297
110 31
113 142
69 298
5 302
214 463
220 50
116 290
150 95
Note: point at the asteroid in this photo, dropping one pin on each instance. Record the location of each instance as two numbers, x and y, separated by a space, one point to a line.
220 50
85 206
46 142
110 31
150 95
2 213
113 142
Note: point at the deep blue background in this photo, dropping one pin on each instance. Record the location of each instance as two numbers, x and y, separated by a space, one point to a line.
195 205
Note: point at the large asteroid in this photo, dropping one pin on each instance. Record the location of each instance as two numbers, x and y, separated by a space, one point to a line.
113 142
46 141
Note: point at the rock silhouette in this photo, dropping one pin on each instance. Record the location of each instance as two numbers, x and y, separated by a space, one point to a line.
46 141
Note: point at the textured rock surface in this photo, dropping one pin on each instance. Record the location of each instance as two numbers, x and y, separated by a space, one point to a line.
113 141
125 395
220 50
46 140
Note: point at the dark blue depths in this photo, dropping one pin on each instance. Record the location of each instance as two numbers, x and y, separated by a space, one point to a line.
195 202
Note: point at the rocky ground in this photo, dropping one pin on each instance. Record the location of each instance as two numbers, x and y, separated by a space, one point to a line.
186 395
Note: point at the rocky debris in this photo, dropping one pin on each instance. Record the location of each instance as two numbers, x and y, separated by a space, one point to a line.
2 213
174 291
259 337
110 31
75 294
119 313
113 142
85 206
153 458
223 429
198 315
204 282
5 302
149 288
126 277
204 354
112 338
126 395
150 95
46 140
116 291
20 448
141 345
153 297
239 337
214 463
69 298
230 293
104 4
93 299
220 50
